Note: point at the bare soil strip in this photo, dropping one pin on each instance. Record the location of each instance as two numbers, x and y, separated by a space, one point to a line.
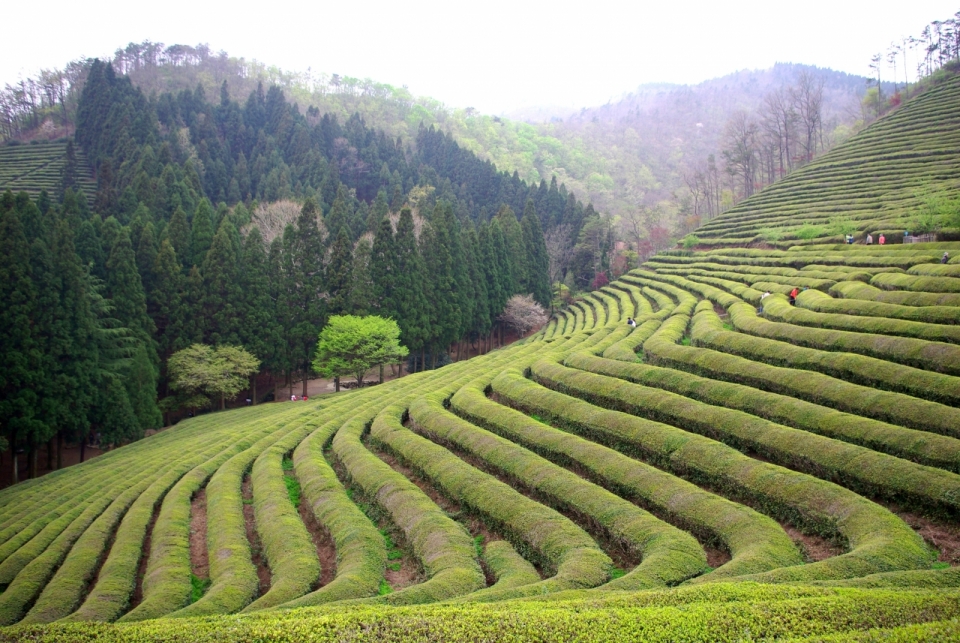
144 558
199 563
256 550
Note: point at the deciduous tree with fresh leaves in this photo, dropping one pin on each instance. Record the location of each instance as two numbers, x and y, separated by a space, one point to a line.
203 373
351 345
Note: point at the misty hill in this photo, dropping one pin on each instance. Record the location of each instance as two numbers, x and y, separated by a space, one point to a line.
616 156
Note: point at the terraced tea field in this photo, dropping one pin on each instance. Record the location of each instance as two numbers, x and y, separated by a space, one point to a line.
877 182
32 168
711 474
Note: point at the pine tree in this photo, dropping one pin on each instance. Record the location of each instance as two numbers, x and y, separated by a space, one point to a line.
90 251
303 288
339 216
479 322
338 273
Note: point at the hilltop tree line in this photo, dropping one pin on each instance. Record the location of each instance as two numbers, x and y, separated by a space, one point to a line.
102 294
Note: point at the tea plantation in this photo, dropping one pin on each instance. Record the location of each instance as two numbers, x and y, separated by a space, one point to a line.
35 167
733 468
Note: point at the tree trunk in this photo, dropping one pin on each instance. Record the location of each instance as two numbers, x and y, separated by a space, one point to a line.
32 462
253 389
381 373
50 454
223 402
433 359
59 450
423 358
83 447
336 384
400 369
305 379
14 473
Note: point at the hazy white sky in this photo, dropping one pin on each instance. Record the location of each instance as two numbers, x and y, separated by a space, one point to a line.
495 55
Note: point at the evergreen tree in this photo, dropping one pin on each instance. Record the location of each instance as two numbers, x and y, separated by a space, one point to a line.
259 331
339 216
221 304
444 310
178 231
201 232
380 209
513 236
361 280
382 259
21 373
165 302
147 256
536 272
90 251
490 267
473 256
408 297
500 256
129 302
338 274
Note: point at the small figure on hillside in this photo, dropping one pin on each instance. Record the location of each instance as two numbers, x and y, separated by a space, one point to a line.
882 240
945 258
762 297
793 296
849 239
631 322
869 239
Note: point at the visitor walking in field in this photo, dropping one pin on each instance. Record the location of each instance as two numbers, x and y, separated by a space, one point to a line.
869 239
882 240
793 296
945 258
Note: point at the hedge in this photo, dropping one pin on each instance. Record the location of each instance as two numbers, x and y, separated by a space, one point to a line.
878 540
753 612
779 310
755 542
560 545
361 556
918 446
890 281
861 369
815 300
809 385
669 556
442 546
857 290
853 466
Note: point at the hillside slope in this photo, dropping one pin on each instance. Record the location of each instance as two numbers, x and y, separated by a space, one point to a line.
36 167
734 466
888 178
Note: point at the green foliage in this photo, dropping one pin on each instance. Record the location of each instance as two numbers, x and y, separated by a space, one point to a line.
219 372
351 345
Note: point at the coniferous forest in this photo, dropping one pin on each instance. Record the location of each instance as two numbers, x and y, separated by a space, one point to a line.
171 252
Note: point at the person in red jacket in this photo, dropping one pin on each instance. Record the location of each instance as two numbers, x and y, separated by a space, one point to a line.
793 296
882 240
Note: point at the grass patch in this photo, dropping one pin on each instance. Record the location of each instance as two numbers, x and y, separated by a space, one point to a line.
198 587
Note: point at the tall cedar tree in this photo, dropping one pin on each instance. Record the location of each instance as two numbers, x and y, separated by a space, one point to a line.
147 256
130 308
490 268
480 322
338 273
501 258
537 278
304 285
259 332
408 296
444 309
382 259
221 305
201 232
21 369
361 280
513 237
178 231
165 302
